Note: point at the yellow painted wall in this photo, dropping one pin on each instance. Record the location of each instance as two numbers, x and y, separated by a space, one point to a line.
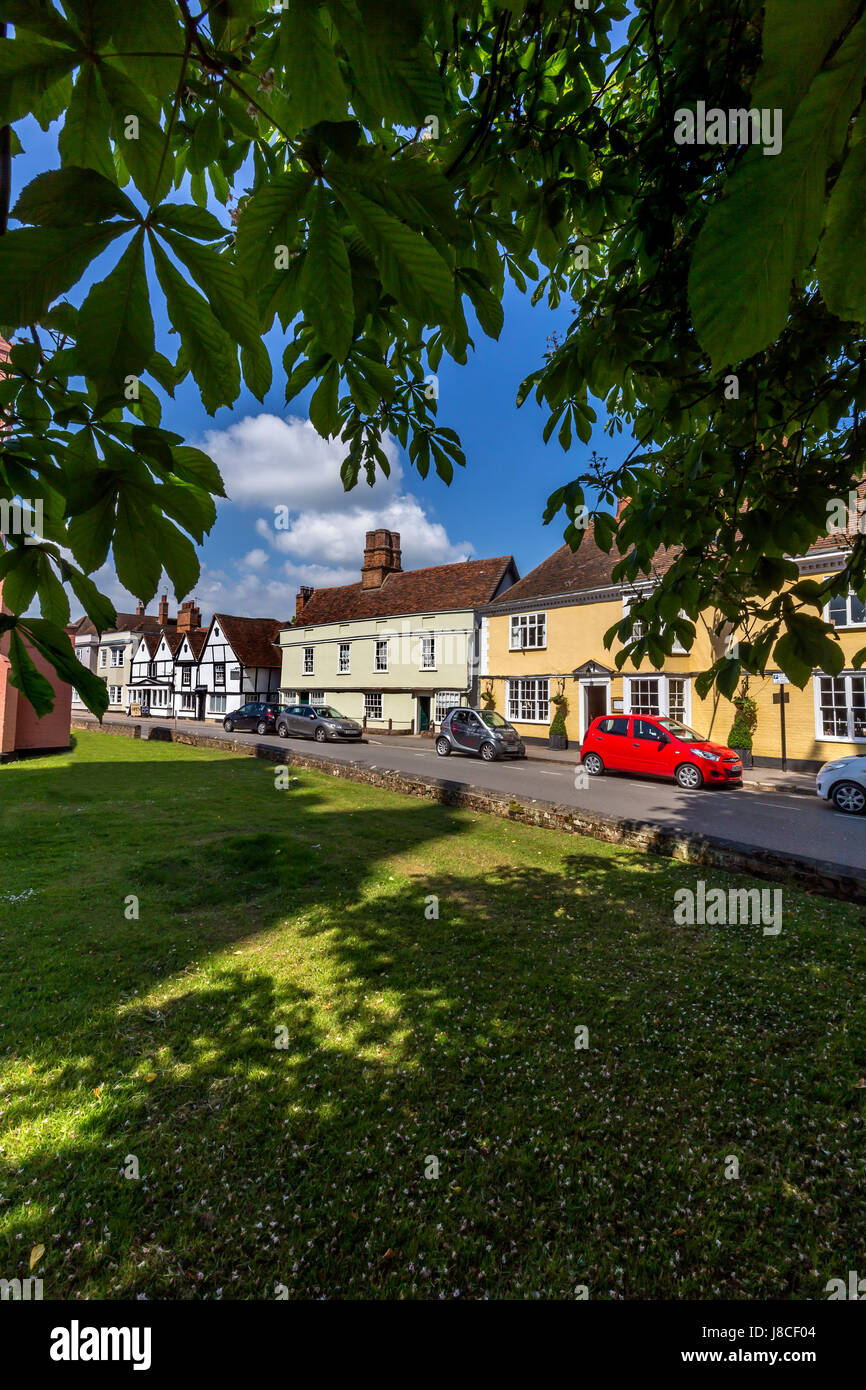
575 635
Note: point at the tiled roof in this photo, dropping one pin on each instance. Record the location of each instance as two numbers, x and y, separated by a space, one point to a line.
197 636
571 572
251 639
433 590
124 622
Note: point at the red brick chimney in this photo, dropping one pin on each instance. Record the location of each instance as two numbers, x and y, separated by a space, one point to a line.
139 612
305 593
188 617
163 611
381 558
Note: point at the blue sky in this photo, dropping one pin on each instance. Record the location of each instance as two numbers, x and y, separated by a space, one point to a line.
271 458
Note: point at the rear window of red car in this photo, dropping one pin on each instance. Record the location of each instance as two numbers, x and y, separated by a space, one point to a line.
613 726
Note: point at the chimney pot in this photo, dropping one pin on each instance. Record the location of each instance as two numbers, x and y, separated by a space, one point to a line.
305 593
382 556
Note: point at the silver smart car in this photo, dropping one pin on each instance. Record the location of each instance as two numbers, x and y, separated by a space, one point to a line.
480 731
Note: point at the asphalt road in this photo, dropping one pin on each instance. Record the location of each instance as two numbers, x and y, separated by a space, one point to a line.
764 820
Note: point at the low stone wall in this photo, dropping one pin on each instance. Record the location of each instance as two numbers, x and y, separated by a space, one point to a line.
814 875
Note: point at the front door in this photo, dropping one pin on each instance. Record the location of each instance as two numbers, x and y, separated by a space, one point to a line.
594 699
201 697
423 713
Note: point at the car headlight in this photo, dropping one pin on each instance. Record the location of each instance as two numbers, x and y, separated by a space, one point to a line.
710 757
832 767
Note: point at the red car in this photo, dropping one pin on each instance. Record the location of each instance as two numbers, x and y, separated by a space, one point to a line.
658 747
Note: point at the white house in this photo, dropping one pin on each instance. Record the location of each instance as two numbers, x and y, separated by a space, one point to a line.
239 662
151 683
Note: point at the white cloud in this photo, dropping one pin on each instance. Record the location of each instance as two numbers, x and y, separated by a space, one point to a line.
267 461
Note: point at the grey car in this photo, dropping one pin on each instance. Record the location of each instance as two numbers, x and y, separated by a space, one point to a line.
480 731
321 722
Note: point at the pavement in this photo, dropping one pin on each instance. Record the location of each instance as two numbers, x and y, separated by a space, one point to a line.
769 812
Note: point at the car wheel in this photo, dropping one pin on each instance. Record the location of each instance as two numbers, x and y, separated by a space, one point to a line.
849 797
283 730
228 725
593 764
689 776
488 752
443 747
321 735
261 727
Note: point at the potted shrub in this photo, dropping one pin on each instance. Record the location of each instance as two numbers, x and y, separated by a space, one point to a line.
488 699
558 736
742 730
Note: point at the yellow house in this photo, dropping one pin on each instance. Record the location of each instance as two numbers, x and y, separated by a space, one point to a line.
545 635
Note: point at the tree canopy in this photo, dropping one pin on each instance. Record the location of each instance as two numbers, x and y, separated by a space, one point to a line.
383 168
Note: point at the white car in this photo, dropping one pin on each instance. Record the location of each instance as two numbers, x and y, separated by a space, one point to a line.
844 783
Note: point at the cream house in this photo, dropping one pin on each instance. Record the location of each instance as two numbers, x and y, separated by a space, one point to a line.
398 649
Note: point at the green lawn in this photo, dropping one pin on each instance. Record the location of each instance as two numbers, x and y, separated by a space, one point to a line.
406 1038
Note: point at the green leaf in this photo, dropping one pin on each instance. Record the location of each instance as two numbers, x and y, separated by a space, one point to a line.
19 570
39 263
194 466
29 67
270 219
316 91
115 327
190 221
178 557
326 280
795 38
765 230
841 273
142 145
217 275
323 406
53 643
212 355
256 368
411 270
98 608
72 197
84 141
137 557
25 677
52 595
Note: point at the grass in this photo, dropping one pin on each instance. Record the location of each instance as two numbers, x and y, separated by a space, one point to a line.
308 916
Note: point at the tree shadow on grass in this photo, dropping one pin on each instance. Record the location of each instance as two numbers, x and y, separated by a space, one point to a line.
292 1042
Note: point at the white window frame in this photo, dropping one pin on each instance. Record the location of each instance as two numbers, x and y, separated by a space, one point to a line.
664 697
524 625
378 666
187 701
428 647
846 678
309 661
217 703
445 700
116 657
372 697
848 624
316 697
103 658
115 694
528 690
344 659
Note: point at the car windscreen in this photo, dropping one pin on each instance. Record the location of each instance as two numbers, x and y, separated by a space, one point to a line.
494 720
682 731
327 712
